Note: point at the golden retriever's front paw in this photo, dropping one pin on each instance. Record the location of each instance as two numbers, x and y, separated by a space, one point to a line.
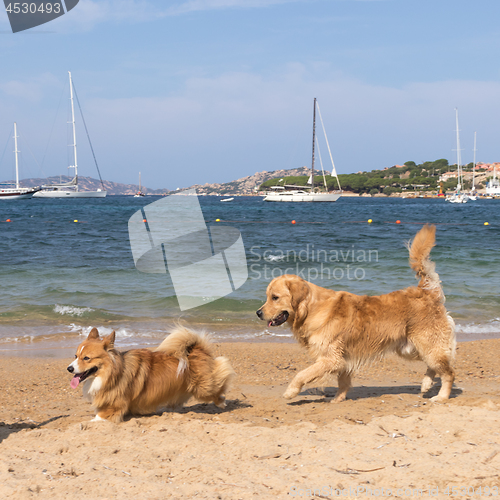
427 383
291 392
439 399
338 399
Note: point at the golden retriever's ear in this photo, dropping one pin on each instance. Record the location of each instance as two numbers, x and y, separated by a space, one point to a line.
299 290
109 341
94 334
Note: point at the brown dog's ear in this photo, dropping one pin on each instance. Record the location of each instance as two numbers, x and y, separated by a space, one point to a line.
94 334
299 290
109 341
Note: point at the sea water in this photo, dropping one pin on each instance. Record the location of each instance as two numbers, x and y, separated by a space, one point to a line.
59 277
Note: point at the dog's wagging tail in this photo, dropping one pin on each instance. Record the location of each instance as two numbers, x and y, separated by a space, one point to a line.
343 331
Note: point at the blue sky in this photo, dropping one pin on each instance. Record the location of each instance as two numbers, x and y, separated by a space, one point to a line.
195 91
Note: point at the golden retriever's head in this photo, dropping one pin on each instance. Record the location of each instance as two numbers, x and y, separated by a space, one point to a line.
286 300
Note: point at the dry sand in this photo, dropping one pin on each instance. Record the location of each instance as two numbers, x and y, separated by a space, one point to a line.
385 436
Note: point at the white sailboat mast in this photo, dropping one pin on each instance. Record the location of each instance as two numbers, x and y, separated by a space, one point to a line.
75 166
313 145
459 183
474 163
334 170
16 153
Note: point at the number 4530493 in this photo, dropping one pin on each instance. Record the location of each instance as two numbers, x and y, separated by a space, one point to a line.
460 491
33 8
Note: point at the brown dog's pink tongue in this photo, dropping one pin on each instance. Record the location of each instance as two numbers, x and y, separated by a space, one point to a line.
75 381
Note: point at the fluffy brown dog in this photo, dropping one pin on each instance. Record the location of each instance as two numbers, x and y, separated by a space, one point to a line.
343 331
139 381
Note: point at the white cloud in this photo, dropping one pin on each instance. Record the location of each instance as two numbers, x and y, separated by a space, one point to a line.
89 13
31 90
201 5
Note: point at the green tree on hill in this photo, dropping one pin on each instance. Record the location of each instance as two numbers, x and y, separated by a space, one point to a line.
387 180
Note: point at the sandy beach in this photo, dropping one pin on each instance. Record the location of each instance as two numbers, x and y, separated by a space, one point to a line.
384 437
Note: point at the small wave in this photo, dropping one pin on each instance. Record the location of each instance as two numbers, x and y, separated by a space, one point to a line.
146 335
492 326
103 331
20 339
267 333
274 258
72 310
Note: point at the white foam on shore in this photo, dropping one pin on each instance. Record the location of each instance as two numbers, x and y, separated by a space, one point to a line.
267 333
72 310
490 327
104 330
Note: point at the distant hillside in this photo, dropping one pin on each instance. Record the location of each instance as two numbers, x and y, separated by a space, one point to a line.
246 185
395 179
427 176
90 184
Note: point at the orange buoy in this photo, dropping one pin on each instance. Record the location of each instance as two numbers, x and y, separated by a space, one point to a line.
398 222
8 220
293 222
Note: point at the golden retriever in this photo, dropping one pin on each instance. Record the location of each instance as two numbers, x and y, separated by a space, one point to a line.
343 331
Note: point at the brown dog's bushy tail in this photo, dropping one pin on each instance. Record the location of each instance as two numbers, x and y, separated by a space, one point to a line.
210 379
181 342
420 249
222 375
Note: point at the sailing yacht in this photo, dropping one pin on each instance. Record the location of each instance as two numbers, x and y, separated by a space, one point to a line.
17 193
472 194
493 186
139 193
70 189
299 193
458 196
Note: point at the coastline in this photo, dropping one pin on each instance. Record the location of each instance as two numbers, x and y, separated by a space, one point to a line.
65 343
384 436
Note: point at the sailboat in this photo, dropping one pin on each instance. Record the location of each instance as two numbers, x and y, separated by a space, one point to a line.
458 196
493 186
17 193
70 189
472 194
299 193
139 193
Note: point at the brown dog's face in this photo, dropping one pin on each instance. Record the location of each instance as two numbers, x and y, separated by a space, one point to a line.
284 297
90 358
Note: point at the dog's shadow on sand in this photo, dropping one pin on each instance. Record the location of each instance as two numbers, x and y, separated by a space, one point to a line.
211 409
366 392
7 429
200 408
